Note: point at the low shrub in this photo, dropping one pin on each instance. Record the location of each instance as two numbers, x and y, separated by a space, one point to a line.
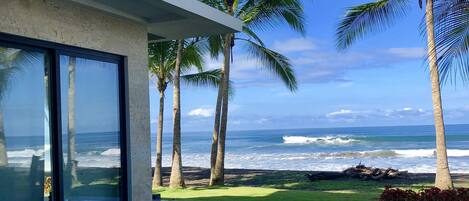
430 194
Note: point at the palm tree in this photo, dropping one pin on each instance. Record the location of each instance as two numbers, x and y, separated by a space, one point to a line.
177 178
7 58
256 14
11 61
162 67
374 16
72 163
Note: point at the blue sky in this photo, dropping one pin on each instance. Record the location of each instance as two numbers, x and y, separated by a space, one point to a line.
380 81
96 98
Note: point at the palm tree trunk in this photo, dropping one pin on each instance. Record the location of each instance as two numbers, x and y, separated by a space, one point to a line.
443 177
216 132
157 178
219 174
71 153
177 179
3 145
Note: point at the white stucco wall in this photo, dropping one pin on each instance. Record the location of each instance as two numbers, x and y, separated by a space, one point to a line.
69 23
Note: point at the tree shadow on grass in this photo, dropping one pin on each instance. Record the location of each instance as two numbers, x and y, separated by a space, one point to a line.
286 195
296 180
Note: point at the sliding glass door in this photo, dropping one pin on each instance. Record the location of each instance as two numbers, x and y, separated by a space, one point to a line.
62 125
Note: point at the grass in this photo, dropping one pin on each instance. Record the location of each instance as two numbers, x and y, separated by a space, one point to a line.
261 194
293 186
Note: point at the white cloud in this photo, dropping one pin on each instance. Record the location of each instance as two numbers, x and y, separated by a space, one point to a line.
314 62
262 121
406 112
235 122
412 52
294 45
352 115
201 112
339 113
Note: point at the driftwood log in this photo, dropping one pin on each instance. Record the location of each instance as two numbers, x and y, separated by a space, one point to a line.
359 172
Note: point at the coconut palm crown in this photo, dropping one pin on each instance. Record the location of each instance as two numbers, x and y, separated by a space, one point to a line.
262 15
452 39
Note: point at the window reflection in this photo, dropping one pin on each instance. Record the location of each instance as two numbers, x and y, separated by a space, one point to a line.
24 125
91 131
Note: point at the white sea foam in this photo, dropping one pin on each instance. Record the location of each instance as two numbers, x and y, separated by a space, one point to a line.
404 153
411 153
111 152
26 153
316 162
318 140
430 153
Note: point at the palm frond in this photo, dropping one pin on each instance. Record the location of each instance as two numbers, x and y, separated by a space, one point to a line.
12 61
5 76
162 59
220 5
211 78
274 62
452 39
249 32
267 14
369 17
193 56
215 45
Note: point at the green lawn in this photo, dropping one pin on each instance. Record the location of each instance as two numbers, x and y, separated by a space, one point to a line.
263 194
293 186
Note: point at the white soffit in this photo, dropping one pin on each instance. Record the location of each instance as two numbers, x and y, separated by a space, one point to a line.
170 19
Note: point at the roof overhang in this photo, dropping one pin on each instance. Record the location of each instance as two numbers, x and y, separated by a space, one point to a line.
170 19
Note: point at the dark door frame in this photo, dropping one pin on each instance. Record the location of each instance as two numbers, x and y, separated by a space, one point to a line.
53 52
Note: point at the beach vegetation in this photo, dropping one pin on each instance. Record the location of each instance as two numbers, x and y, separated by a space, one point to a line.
429 194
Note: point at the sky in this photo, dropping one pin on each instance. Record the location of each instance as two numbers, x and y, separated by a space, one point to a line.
96 98
381 81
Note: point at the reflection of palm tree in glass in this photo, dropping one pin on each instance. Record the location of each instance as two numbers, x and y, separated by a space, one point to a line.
71 153
7 58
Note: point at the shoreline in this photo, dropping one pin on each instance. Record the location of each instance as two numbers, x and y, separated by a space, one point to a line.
197 177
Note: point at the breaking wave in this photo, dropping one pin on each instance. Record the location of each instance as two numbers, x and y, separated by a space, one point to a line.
334 140
111 152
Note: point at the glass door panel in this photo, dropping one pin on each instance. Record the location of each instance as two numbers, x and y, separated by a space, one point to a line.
25 165
90 129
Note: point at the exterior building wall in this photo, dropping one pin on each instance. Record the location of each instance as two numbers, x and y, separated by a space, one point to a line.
69 23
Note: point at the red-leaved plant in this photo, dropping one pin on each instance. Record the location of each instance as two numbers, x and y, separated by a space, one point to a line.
430 194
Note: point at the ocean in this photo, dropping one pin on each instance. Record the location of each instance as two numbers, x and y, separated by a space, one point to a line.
408 148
